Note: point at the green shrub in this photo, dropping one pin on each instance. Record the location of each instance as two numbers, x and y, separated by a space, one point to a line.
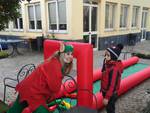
3 54
141 55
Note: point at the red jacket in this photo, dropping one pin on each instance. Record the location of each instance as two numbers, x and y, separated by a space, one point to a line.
41 84
111 78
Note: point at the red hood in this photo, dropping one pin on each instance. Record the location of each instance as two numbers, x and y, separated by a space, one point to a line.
117 63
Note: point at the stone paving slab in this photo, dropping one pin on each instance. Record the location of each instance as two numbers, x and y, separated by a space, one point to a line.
134 101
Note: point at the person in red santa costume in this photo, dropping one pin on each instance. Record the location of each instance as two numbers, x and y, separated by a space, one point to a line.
43 83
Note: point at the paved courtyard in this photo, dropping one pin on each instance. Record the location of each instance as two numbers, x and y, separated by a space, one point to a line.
131 102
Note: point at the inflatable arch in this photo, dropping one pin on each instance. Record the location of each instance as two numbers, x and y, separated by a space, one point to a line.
83 52
86 76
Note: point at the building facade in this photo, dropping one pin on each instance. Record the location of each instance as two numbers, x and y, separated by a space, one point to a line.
99 22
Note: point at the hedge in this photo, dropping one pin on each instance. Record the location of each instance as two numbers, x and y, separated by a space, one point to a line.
3 54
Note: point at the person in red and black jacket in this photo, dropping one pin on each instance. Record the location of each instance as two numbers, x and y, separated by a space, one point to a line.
111 77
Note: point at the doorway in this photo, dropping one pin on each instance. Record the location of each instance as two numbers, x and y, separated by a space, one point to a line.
143 24
90 11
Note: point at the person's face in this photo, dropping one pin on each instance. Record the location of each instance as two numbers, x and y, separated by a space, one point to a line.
107 55
68 57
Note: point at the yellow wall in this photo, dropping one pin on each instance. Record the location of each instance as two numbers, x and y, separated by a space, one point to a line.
76 24
74 13
25 33
117 31
74 20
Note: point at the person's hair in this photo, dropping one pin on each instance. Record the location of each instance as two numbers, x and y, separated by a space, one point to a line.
67 66
56 54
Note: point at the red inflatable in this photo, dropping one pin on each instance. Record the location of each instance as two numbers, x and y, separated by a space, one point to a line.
131 61
133 80
126 84
84 55
126 63
71 86
83 52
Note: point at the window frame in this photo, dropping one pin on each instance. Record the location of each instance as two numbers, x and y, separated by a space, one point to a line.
19 28
146 11
34 16
7 29
57 17
123 17
111 14
135 17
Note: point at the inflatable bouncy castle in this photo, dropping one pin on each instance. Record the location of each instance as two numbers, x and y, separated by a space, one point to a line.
87 78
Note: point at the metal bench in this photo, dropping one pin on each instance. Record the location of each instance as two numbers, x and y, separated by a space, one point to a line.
23 73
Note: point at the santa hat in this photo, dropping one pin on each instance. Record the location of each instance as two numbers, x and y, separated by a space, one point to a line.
115 51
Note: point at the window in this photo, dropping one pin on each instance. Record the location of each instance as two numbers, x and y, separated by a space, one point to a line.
144 18
57 15
34 13
86 20
109 16
86 1
7 26
124 16
91 1
145 21
135 16
18 22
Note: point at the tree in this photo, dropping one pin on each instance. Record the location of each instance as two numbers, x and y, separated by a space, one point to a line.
8 12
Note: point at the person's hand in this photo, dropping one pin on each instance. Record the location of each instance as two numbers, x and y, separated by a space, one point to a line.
105 101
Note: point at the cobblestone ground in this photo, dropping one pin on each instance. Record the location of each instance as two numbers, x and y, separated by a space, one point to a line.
131 102
134 100
11 65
